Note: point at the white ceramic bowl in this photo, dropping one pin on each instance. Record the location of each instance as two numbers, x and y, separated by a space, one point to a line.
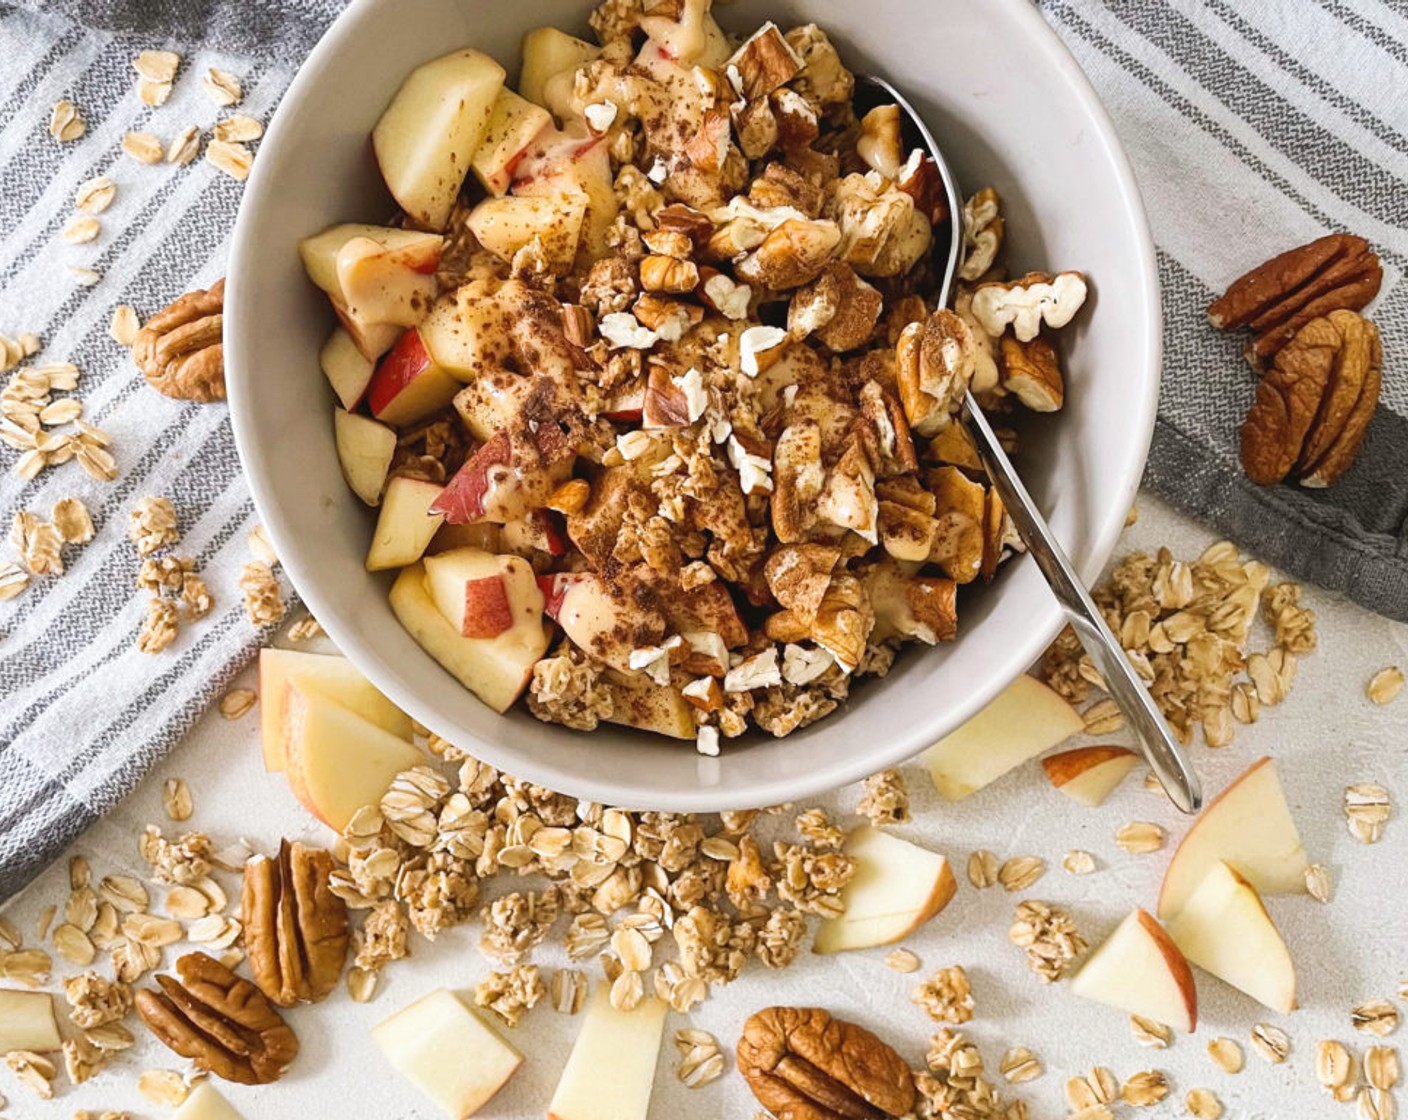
1011 108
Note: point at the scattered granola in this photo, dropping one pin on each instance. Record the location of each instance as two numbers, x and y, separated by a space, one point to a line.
143 147
1049 937
221 87
1334 1067
1097 1088
1145 1088
95 195
1020 872
66 123
510 994
886 799
234 159
1078 862
946 996
163 1086
263 599
1019 1065
184 146
73 521
160 627
153 525
35 1072
176 799
1381 1067
982 869
901 960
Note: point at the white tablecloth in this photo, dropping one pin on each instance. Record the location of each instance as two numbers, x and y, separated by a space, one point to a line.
1325 736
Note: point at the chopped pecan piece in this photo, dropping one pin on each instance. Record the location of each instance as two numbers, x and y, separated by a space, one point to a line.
791 255
838 307
222 1023
1031 371
982 234
765 62
933 366
295 928
798 576
180 350
804 1065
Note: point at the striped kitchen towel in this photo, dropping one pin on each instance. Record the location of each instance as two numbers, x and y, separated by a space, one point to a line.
1253 125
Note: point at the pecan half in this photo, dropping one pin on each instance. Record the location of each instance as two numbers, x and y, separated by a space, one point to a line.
295 928
220 1021
179 350
1278 298
1314 404
1031 371
804 1065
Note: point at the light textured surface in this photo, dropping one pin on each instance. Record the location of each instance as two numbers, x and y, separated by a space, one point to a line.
1325 736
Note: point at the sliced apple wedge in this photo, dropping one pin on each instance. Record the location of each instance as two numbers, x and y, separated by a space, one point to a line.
1025 719
379 279
405 525
548 53
206 1103
409 385
1249 825
482 595
611 1070
365 449
448 1052
574 164
429 133
1139 969
1089 774
497 670
347 369
27 1022
1223 928
513 124
897 887
329 675
337 761
648 706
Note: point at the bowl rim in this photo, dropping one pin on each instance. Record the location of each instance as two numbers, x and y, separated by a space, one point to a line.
1106 526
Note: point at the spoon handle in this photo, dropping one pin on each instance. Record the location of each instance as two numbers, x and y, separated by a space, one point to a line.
1160 749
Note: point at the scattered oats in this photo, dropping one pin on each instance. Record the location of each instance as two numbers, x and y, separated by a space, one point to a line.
186 903
263 601
700 1058
13 581
73 945
176 799
29 465
304 629
160 627
66 123
63 411
184 146
237 702
1078 862
1097 1089
1366 808
1131 517
157 66
153 94
82 230
1019 1064
35 1073
124 892
238 129
95 195
1202 1104
1020 872
1103 718
10 937
1386 685
73 521
1272 1043
901 960
632 948
143 147
152 931
568 990
1377 1016
163 1086
1049 937
946 996
1333 1065
627 990
361 984
261 547
586 934
982 869
30 967
1375 1104
1149 1033
221 87
1381 1067
85 277
1146 1088
1226 1054
46 919
1318 883
39 544
96 462
233 159
1139 837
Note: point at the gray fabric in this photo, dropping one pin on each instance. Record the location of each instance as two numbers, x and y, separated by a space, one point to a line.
1253 124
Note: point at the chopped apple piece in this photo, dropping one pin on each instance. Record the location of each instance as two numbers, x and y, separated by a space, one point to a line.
512 126
1223 927
329 675
1089 774
409 385
548 53
364 450
405 525
379 279
27 1021
1139 969
483 595
897 887
337 761
577 165
1249 825
506 225
1025 719
206 1103
347 369
611 1069
647 706
497 670
429 133
448 1052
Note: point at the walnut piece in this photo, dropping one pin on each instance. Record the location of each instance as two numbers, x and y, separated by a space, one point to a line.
803 1064
179 350
221 1022
295 928
1028 302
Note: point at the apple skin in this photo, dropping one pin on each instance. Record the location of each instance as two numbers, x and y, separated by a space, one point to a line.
555 588
463 500
408 385
627 405
1140 969
487 612
1088 775
504 483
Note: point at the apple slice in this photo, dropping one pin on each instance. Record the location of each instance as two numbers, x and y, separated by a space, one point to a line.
513 124
206 1103
482 595
505 225
1223 928
1026 718
575 164
496 670
337 761
27 1021
364 451
1089 774
347 369
448 1052
647 706
897 887
465 335
329 675
611 1070
1139 969
376 276
406 524
425 140
1249 825
409 385
547 54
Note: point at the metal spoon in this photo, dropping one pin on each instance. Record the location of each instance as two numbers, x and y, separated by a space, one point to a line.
1161 750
